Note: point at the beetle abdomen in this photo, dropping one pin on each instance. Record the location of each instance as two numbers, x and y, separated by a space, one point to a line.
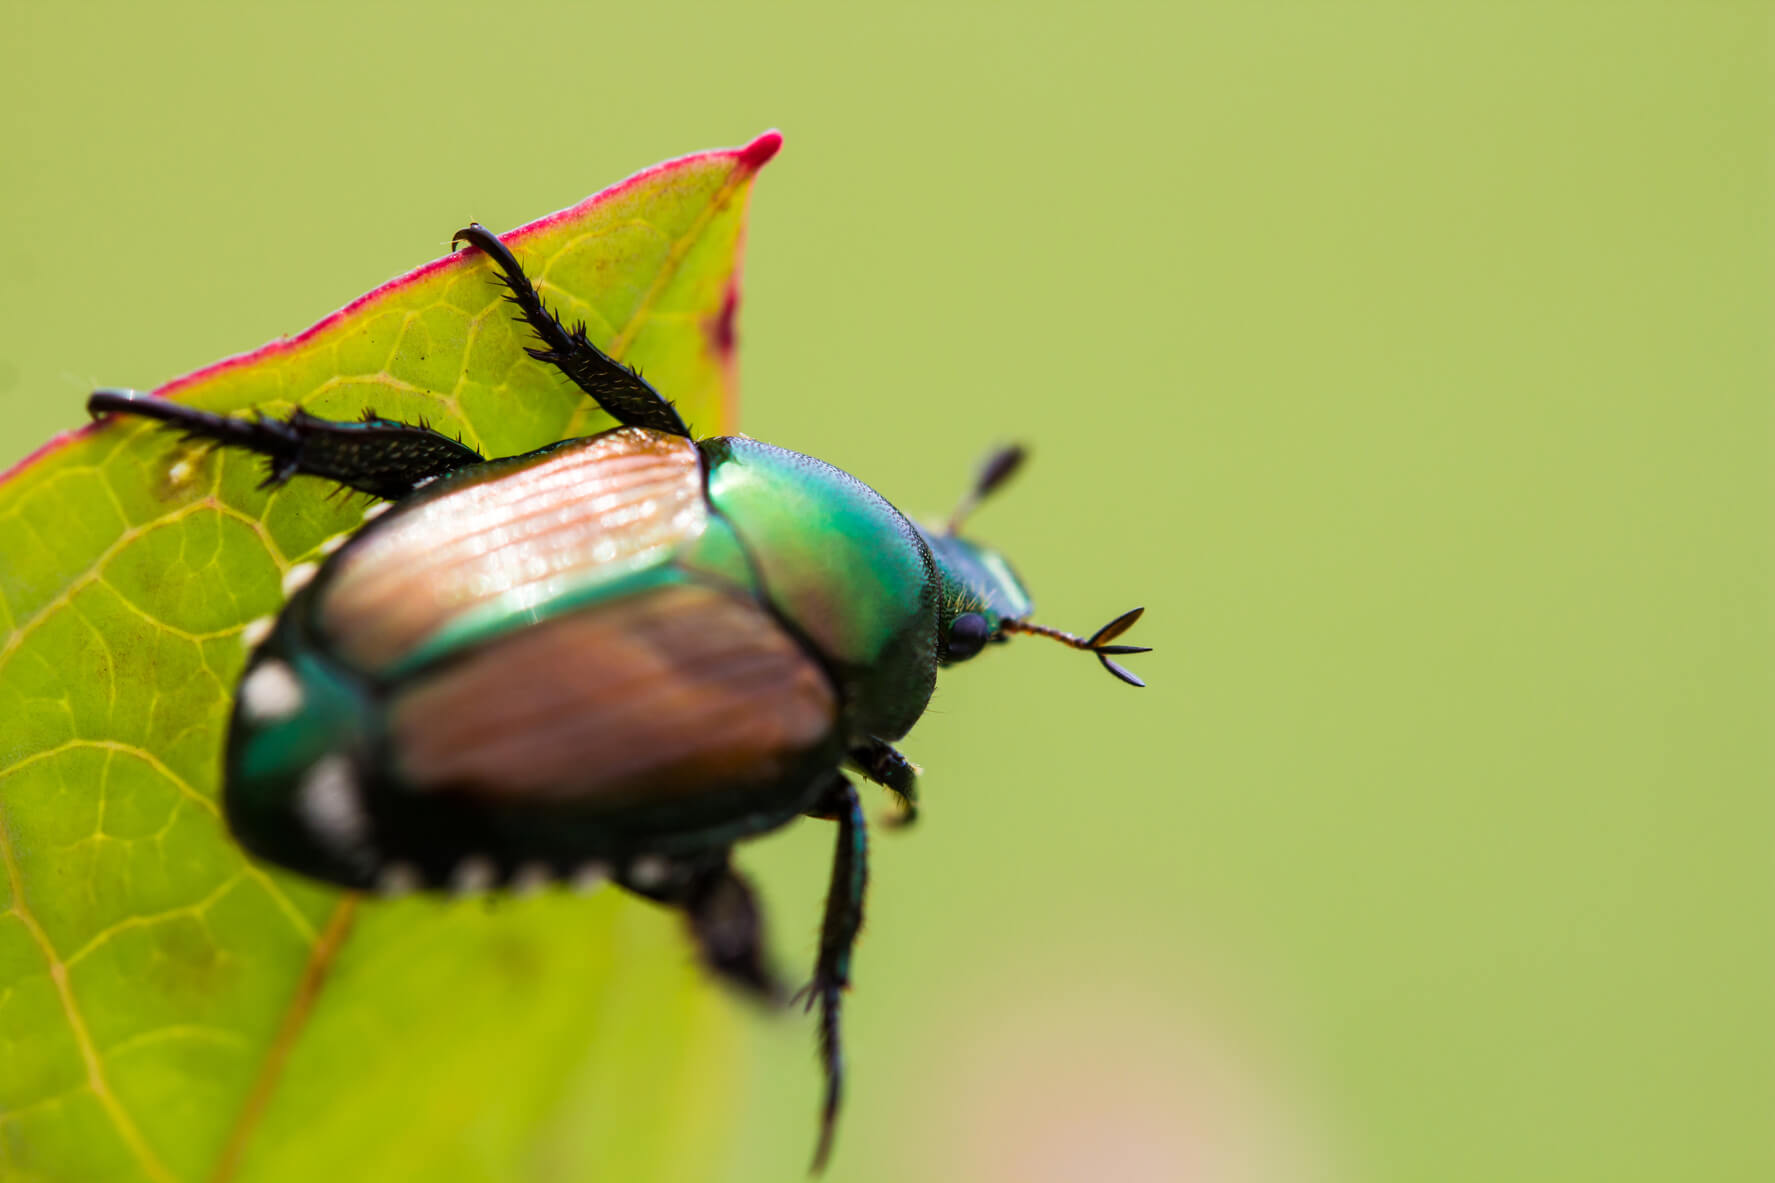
671 720
675 692
509 540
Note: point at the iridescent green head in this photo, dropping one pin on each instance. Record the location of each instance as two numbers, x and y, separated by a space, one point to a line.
984 600
980 592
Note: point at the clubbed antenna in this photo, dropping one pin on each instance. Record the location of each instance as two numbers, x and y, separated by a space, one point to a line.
1000 466
1098 642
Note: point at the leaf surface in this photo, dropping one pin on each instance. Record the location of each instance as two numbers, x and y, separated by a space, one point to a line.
172 1011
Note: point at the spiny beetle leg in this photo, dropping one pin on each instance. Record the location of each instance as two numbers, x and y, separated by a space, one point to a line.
838 935
882 763
723 914
619 390
381 457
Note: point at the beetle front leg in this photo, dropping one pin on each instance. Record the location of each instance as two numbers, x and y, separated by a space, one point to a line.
882 763
381 457
838 935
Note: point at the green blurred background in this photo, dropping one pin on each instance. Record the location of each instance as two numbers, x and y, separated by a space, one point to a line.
1409 362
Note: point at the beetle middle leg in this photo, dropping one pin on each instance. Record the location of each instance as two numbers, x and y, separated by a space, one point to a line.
619 390
838 936
381 457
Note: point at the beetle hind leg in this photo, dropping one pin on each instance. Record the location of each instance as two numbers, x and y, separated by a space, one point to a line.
729 931
381 457
722 912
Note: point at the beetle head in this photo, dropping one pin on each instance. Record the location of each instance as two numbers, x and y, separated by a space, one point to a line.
984 601
980 593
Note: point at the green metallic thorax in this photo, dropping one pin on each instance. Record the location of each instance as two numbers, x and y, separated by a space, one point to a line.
843 569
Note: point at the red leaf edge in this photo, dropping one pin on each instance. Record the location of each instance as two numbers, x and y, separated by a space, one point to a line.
749 159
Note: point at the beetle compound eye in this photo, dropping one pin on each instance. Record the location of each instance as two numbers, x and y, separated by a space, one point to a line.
967 636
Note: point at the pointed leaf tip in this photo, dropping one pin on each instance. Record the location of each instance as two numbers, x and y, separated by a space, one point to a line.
760 151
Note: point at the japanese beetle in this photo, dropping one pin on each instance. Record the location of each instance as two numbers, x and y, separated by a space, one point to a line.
613 657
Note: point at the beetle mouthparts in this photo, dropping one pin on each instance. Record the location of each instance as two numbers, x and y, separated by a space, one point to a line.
1097 643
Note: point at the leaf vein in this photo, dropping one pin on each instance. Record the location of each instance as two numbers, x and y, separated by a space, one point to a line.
142 920
112 745
58 976
284 903
95 570
320 961
174 1031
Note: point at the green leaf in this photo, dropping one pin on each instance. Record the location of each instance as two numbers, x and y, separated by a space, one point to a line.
171 1011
